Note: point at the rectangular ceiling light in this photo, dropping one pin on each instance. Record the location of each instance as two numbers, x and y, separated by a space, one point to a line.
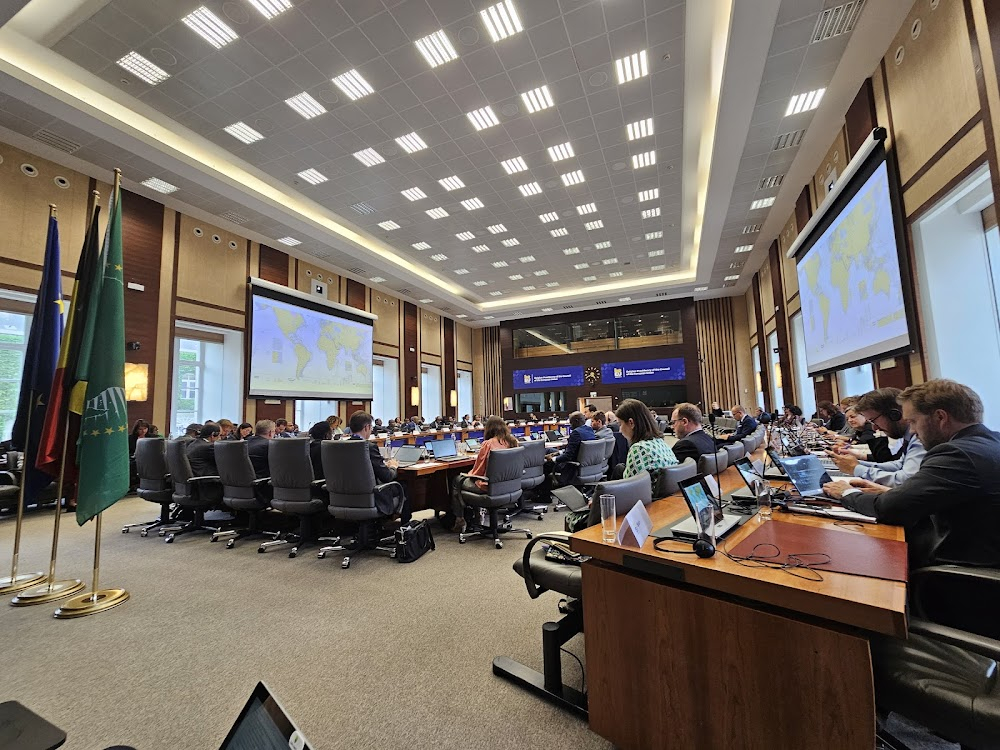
560 232
530 288
437 213
501 20
609 261
701 288
421 246
602 245
543 272
651 213
160 186
655 253
537 99
658 234
481 248
143 69
466 236
461 271
590 226
483 118
646 159
804 102
377 279
590 278
388 225
515 277
499 264
313 176
658 267
751 228
631 67
546 309
560 152
586 208
648 195
439 257
436 48
306 105
209 27
771 182
369 157
353 85
496 294
527 259
496 229
472 204
414 194
546 218
411 142
290 241
571 251
624 299
616 274
513 166
761 203
463 315
572 178
271 8
732 278
363 208
639 129
744 249
243 132
510 242
451 183
479 283
551 284
530 188
581 266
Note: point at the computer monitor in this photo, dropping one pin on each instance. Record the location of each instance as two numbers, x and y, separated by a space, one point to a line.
442 448
264 725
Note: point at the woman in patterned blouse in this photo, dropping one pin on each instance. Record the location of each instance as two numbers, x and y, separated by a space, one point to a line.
648 451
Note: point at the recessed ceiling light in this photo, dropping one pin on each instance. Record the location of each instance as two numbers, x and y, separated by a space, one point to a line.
649 195
590 226
479 283
496 294
472 204
590 278
160 186
363 208
701 288
483 118
461 271
353 85
271 8
537 99
609 261
651 213
646 159
581 266
481 248
313 176
426 301
527 259
546 218
499 264
546 309
658 234
761 203
377 279
421 246
243 132
551 284
744 249
530 188
411 142
209 27
655 253
388 225
501 20
463 315
369 157
143 69
529 288
488 317
624 299
639 129
602 245
587 208
631 67
751 228
290 241
543 272
437 213
732 278
451 183
510 242
436 48
496 229
439 257
571 251
513 166
305 105
616 274
560 232
561 151
515 277
414 194
736 265
465 236
804 102
572 178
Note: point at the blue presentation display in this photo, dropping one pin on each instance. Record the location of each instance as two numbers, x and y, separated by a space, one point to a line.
643 371
548 377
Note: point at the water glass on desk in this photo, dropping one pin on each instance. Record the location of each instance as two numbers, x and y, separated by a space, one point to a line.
609 520
762 490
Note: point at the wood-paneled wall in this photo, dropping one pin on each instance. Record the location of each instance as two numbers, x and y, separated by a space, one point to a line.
487 390
723 356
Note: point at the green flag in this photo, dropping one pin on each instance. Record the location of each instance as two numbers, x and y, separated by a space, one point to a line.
102 455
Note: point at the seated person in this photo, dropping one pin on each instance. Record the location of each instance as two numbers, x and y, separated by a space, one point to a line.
692 441
225 429
139 430
393 426
317 434
744 428
791 417
556 460
192 432
281 428
336 424
378 428
257 446
496 437
762 416
950 507
389 504
863 434
466 422
244 431
601 430
611 421
833 419
201 452
154 431
881 408
647 451
717 410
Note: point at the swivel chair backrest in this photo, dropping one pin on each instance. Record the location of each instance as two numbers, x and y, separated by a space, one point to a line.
232 459
505 469
291 471
176 458
592 460
672 476
734 451
151 466
627 493
350 479
534 464
750 444
713 463
609 448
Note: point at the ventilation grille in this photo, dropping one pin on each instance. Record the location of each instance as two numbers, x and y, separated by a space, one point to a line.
601 302
837 20
234 217
567 307
363 208
771 182
407 292
751 228
358 271
788 140
56 141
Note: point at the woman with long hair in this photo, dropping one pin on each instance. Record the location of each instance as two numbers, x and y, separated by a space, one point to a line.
317 434
647 451
496 437
139 430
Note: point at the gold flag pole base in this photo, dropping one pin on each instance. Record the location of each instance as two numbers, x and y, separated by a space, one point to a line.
47 592
91 603
11 585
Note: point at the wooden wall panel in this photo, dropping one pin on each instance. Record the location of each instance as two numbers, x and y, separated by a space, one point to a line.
789 277
430 333
450 375
860 119
721 344
830 168
387 326
944 174
781 328
488 390
273 265
764 372
357 294
410 374
751 308
766 293
225 286
897 375
463 344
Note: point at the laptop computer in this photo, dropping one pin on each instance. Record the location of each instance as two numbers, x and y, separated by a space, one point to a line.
807 474
553 435
776 472
407 455
472 444
264 725
444 450
702 506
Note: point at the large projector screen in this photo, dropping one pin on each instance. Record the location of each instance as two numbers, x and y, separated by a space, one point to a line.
852 293
305 348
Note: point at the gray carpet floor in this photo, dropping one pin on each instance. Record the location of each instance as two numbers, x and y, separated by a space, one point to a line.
382 655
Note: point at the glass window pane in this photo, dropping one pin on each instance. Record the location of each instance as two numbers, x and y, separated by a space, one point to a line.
804 386
541 341
464 393
649 329
855 381
385 391
430 392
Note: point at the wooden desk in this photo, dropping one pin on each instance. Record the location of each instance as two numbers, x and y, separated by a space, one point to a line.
691 653
428 483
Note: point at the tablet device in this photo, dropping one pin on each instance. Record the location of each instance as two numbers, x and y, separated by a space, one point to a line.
264 725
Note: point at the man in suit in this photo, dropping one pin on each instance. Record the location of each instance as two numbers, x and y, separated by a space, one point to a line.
692 441
361 424
951 506
257 445
579 431
601 430
201 452
281 429
745 425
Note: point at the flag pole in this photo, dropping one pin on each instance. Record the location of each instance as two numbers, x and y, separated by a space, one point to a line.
95 600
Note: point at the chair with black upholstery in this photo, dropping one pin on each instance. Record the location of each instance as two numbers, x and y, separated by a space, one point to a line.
191 493
295 492
713 463
670 477
588 469
945 674
532 477
627 492
154 483
504 469
10 488
356 497
242 491
734 452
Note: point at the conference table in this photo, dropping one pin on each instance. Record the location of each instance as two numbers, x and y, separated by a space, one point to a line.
710 653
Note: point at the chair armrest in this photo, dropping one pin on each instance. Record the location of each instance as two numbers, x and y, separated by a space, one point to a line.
535 591
379 487
318 483
261 480
202 480
921 578
7 478
977 644
475 476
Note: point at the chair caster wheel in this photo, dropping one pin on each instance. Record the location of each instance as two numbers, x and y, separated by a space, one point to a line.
527 535
143 533
321 555
346 563
261 550
293 553
214 539
539 516
169 538
125 530
498 545
230 544
461 538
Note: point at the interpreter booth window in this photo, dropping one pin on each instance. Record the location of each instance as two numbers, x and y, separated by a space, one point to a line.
207 381
774 359
855 381
385 388
804 386
14 328
464 393
623 332
658 329
430 392
542 404
758 382
308 412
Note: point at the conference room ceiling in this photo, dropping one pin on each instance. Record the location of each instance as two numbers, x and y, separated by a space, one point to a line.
569 226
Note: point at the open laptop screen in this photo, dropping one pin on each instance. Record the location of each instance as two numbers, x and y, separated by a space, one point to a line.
806 473
408 454
443 448
263 725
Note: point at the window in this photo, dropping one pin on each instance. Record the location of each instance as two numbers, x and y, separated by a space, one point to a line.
208 376
804 385
624 332
385 389
14 328
542 404
464 393
430 392
855 381
308 412
758 383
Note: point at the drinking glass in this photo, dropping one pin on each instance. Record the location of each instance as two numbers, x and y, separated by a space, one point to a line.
609 520
762 490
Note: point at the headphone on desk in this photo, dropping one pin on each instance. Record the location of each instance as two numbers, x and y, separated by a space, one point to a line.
703 546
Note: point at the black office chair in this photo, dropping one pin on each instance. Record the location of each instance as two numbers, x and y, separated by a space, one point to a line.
10 490
154 483
504 469
242 491
589 468
620 453
296 492
356 497
195 494
532 477
627 492
669 479
945 675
